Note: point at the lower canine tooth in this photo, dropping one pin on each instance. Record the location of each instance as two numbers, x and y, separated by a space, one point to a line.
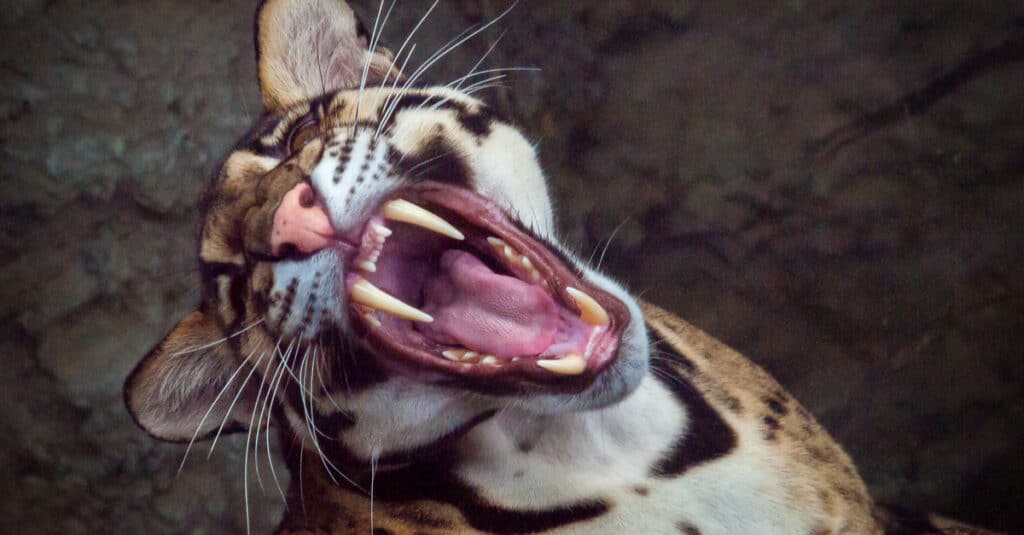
590 311
371 296
571 364
407 212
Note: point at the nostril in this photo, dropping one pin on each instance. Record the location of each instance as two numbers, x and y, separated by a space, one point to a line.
306 197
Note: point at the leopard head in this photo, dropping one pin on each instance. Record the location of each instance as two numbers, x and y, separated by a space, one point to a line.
380 267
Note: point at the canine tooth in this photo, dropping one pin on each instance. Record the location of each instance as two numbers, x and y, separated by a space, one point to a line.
407 212
489 360
591 312
369 295
571 364
381 230
368 265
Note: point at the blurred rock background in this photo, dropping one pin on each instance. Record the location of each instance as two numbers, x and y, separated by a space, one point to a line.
881 283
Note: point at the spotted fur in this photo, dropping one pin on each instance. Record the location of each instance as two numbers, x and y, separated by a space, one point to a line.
679 435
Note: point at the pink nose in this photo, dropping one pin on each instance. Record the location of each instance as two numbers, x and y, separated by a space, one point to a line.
301 223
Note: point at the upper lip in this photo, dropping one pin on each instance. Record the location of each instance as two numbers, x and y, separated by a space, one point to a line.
561 279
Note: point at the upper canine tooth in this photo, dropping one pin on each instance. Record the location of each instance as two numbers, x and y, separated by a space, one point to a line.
407 212
571 364
590 311
369 295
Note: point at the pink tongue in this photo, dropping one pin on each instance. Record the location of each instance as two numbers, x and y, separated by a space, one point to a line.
487 312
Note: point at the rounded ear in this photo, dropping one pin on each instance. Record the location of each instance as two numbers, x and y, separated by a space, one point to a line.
306 48
187 384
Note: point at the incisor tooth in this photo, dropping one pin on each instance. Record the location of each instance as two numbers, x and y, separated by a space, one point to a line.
407 212
369 295
571 364
591 312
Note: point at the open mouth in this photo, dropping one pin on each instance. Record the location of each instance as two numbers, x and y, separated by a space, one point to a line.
445 284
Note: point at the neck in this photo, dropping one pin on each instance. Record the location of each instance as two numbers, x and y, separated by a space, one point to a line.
505 467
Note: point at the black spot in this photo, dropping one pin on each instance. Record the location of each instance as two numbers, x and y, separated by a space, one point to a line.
776 406
687 528
524 447
771 426
708 436
641 490
382 531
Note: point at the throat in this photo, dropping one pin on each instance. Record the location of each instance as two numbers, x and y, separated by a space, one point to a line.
497 314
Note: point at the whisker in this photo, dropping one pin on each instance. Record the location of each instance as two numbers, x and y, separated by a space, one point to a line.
445 51
227 414
209 411
215 342
270 458
378 29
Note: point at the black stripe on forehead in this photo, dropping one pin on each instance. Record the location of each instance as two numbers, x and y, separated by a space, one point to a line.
477 121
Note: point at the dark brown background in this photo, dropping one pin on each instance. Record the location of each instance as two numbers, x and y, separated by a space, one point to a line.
882 284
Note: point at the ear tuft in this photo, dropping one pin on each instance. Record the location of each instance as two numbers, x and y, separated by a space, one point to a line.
306 48
171 392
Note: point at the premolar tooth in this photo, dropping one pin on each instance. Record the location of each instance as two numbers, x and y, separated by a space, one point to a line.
590 311
470 355
509 252
453 354
526 262
489 360
535 275
407 212
374 322
369 295
571 364
368 265
497 243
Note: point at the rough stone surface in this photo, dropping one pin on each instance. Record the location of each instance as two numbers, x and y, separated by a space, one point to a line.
882 285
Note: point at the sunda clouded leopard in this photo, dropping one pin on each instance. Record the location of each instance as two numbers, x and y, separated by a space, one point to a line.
383 286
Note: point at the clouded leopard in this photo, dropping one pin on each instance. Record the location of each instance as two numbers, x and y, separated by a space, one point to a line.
383 285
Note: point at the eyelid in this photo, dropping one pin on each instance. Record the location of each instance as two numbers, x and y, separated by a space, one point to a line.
294 134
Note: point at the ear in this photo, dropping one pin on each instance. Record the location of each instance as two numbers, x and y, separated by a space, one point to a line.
171 392
306 48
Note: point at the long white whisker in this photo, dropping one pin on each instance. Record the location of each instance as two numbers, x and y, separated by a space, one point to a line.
209 411
401 49
270 458
227 414
392 97
423 68
378 29
457 82
481 60
215 342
